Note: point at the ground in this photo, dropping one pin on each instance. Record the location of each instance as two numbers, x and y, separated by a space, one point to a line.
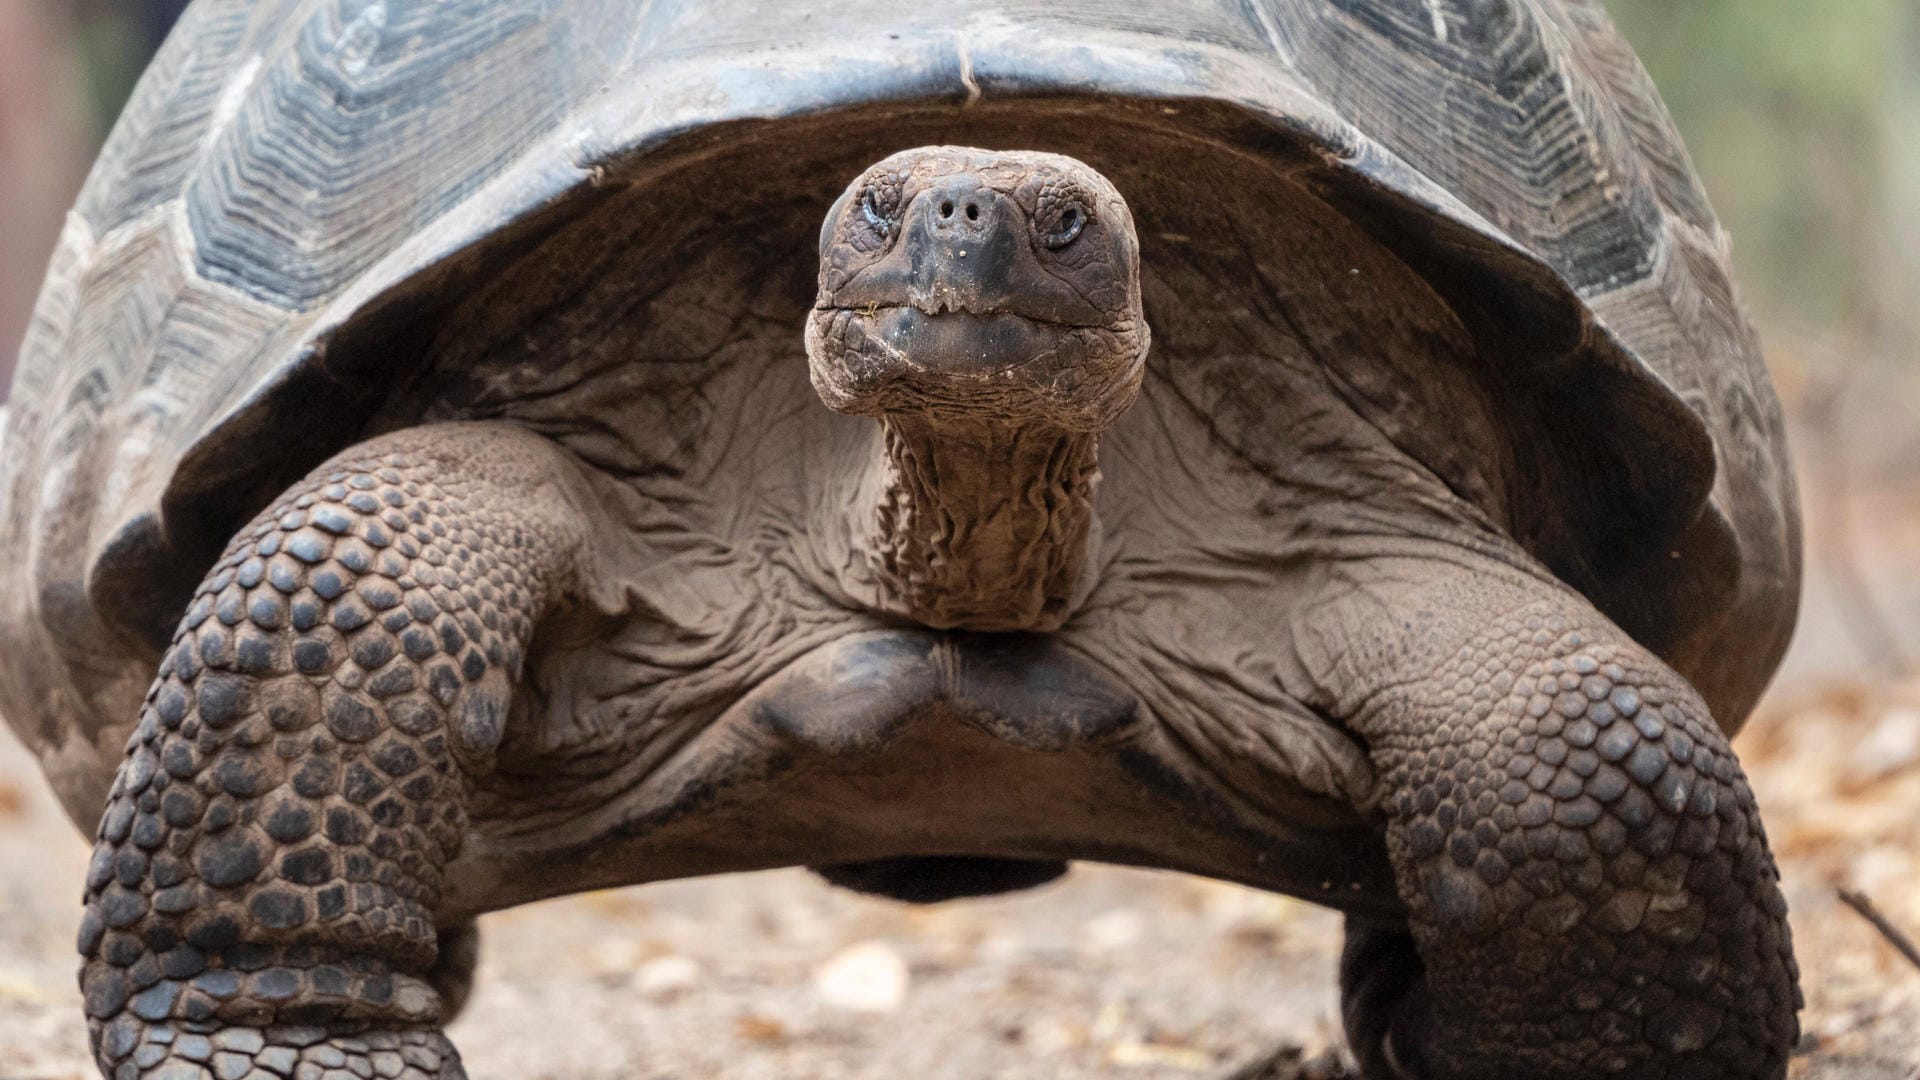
1110 973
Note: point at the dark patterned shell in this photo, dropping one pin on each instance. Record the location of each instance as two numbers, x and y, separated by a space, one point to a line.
301 190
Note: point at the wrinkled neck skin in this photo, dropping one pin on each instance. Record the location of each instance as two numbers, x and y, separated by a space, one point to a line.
973 523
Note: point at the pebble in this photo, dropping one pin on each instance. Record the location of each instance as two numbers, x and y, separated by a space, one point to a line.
667 976
869 976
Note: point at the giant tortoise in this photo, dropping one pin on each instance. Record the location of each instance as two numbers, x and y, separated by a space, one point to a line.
1318 446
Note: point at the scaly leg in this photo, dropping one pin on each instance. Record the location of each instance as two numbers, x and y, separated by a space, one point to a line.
261 896
1590 889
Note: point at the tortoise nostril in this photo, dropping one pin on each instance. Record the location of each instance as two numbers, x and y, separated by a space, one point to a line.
973 212
946 209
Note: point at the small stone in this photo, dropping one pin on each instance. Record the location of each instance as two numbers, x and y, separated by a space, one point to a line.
1890 747
866 977
667 976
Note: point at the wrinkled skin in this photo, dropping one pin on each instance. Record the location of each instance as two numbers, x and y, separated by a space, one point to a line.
971 665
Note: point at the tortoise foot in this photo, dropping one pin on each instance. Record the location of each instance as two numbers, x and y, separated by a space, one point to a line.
177 1051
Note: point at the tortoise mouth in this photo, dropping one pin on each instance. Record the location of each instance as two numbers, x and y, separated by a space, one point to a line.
900 358
936 337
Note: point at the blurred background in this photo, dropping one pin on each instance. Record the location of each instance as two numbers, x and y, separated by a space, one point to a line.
1804 121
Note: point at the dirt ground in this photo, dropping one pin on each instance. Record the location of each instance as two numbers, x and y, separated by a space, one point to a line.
1110 973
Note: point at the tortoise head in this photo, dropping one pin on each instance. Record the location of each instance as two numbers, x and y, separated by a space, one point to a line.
967 282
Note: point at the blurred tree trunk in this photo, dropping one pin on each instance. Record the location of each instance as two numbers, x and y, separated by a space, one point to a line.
43 150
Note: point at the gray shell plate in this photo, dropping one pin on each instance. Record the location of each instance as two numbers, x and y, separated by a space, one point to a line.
295 179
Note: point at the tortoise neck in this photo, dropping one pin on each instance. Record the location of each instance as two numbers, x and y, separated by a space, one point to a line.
974 524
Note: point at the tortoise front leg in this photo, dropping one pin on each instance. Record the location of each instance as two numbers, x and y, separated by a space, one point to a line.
1590 889
261 895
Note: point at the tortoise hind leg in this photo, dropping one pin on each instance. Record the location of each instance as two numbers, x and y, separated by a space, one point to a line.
262 890
1588 886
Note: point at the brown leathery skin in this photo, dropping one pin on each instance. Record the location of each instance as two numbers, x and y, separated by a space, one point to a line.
261 895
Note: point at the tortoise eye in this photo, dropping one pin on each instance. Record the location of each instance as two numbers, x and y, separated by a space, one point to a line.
880 207
1062 223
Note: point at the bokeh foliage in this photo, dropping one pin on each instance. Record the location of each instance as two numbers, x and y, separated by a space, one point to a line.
1803 119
